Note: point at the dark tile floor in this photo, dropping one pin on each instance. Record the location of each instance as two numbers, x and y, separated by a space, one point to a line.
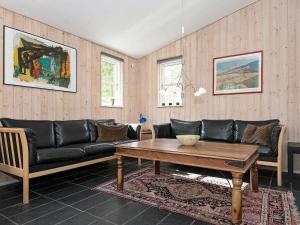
69 198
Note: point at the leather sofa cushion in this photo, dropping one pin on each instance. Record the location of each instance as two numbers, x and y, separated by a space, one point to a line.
94 148
43 129
181 127
218 130
93 127
162 130
265 151
51 165
31 142
134 130
267 158
240 125
58 154
274 139
71 132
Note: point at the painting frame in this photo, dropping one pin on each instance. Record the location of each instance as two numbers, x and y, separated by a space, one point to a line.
258 89
7 77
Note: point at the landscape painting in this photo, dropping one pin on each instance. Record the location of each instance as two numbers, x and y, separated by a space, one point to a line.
238 74
33 61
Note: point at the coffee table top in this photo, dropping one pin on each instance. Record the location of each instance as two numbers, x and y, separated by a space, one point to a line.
205 149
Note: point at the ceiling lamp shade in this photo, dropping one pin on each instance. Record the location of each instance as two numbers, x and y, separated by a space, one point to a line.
200 91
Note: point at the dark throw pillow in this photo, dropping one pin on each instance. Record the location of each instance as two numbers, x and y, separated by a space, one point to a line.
108 133
182 127
258 134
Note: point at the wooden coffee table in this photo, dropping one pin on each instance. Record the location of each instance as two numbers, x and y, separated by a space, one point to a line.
234 158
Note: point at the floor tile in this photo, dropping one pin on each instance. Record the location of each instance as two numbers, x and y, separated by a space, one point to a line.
9 194
55 217
5 221
79 196
15 200
95 182
21 208
47 189
80 219
108 206
92 201
176 219
102 222
66 191
125 213
149 217
197 222
36 212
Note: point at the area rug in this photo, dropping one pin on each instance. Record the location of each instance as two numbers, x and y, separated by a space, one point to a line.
205 198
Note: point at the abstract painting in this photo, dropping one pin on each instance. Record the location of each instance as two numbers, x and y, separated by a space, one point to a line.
238 74
33 61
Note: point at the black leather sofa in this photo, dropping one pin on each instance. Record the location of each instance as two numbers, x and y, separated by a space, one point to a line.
228 131
58 143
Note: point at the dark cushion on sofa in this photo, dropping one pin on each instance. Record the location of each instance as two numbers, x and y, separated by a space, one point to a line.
274 139
181 127
134 130
58 154
94 148
240 125
267 158
71 132
43 129
162 130
93 127
31 142
45 166
218 130
265 150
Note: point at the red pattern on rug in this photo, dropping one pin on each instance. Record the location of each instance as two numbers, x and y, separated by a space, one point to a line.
205 198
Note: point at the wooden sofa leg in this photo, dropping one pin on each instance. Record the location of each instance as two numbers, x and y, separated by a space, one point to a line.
279 175
25 189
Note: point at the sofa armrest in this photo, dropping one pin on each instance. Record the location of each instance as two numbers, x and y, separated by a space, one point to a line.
134 130
281 140
162 130
31 142
14 150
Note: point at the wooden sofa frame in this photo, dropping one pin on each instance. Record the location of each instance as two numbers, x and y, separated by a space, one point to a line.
278 163
15 158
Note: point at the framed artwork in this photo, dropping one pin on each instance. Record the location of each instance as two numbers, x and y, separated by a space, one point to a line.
238 74
32 61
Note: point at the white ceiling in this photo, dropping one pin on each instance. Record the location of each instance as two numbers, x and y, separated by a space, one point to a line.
134 27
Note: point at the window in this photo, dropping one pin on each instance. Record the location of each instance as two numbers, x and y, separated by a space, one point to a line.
170 82
111 81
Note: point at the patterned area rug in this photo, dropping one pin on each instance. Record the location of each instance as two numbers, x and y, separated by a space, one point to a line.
205 198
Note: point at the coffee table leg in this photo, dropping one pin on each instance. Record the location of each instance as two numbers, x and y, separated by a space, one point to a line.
120 174
254 178
236 207
157 167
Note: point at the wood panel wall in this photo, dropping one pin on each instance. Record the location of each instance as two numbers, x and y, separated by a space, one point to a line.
268 25
32 103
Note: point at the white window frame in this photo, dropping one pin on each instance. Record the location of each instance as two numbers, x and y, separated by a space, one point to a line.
161 66
118 86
